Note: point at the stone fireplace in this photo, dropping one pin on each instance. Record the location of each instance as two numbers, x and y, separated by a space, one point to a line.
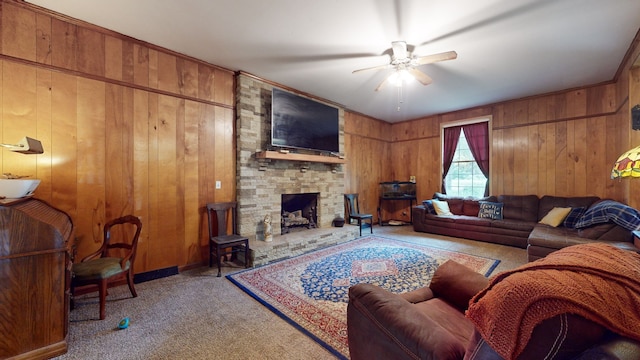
261 183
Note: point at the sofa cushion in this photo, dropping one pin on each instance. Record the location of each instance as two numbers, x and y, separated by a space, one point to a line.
548 202
574 215
606 232
449 319
513 225
610 210
555 216
617 233
470 207
555 238
440 218
595 231
456 206
545 239
472 220
520 207
490 210
456 203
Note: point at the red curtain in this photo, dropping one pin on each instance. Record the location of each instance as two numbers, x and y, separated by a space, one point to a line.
451 137
477 136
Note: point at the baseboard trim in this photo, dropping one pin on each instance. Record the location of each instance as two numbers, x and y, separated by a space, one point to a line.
155 274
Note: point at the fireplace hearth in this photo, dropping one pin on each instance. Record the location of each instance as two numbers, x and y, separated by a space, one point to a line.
299 212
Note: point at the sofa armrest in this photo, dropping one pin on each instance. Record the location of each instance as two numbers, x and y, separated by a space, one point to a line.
453 282
383 325
457 284
419 211
418 295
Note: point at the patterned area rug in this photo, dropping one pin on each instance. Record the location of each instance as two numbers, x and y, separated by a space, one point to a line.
311 291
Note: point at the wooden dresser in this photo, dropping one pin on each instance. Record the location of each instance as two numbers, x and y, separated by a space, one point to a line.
35 240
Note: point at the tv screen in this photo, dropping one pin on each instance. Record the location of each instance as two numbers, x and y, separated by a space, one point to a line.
299 122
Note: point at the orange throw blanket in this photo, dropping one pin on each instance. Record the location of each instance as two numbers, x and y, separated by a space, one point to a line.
596 281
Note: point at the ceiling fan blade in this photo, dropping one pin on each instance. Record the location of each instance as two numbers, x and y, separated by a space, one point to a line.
449 55
379 67
319 57
399 49
420 76
382 84
501 14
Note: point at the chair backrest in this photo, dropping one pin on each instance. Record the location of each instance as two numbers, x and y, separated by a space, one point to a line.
128 247
351 200
218 216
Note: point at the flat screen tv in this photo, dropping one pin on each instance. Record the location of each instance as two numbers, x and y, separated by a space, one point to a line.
299 122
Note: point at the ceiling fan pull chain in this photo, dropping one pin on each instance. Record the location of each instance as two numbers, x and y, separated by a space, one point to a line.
400 101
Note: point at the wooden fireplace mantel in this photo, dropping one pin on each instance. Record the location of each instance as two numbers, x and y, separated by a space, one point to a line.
277 155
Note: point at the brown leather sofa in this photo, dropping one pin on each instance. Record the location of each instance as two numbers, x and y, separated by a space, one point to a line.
430 323
520 225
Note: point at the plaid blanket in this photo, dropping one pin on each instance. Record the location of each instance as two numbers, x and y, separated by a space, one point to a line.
609 210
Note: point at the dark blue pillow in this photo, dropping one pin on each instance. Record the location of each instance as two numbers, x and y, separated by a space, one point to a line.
429 206
490 210
574 215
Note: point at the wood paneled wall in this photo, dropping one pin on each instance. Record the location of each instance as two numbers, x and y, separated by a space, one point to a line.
127 127
367 150
561 144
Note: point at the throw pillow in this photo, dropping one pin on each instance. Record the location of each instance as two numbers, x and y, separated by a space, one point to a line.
441 207
429 206
490 210
574 215
455 203
555 216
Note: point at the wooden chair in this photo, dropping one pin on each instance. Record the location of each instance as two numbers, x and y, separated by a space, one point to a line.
353 212
221 243
112 264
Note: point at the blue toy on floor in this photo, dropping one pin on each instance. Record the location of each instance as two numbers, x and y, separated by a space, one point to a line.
124 323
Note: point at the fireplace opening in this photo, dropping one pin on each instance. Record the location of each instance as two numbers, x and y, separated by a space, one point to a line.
299 212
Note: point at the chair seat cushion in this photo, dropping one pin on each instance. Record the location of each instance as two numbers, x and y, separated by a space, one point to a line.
101 268
229 239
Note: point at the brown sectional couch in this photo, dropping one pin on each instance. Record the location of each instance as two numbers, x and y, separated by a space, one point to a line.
520 225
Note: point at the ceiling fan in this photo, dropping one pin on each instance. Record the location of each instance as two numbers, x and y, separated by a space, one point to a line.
403 62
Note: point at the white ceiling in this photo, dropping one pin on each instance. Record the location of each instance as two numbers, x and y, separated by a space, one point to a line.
507 49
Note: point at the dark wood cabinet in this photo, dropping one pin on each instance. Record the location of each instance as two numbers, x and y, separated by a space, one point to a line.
394 191
34 280
409 203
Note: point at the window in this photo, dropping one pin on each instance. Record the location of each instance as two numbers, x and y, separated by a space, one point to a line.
466 159
465 177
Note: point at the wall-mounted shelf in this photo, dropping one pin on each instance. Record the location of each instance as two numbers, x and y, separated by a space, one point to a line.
276 155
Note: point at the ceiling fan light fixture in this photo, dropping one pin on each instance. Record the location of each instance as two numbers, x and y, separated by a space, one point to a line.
399 77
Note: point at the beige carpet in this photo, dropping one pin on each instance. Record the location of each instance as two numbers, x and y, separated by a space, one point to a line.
196 315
